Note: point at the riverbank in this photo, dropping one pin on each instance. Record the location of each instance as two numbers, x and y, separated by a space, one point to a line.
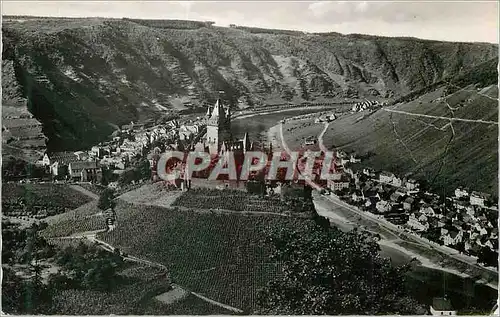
389 246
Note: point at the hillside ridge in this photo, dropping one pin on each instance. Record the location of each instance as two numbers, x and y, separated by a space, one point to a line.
83 77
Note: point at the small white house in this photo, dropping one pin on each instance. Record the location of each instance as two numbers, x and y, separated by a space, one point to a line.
386 177
411 184
396 181
461 192
478 199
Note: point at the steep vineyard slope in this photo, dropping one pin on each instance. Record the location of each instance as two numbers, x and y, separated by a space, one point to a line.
83 77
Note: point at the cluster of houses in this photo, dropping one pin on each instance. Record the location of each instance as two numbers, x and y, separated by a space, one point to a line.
133 140
326 118
466 221
365 105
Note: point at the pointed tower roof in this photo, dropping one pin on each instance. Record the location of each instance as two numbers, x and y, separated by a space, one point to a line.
208 111
218 110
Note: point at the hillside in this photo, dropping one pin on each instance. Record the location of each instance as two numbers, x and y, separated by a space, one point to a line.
416 138
83 77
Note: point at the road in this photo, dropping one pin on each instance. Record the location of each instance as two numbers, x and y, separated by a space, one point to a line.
84 191
438 117
320 138
384 223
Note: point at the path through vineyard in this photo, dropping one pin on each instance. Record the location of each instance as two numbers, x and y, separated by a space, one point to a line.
84 191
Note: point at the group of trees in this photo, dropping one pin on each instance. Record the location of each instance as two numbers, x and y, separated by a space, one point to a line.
14 169
82 267
329 272
141 171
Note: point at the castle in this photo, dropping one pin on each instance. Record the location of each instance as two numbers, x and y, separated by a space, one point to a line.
219 137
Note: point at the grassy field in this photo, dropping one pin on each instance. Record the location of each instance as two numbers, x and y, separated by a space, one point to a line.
220 256
260 123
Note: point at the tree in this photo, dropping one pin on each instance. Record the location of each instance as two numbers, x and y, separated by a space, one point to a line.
488 257
106 200
143 170
326 271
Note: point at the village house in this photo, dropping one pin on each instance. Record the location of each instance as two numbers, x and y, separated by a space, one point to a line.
409 203
353 159
340 154
340 184
461 192
397 182
412 184
369 172
357 196
397 197
80 155
452 237
415 223
97 151
386 177
478 199
58 170
84 170
61 157
383 206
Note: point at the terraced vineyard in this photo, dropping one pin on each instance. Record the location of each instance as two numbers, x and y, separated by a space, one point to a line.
68 227
227 199
59 195
221 256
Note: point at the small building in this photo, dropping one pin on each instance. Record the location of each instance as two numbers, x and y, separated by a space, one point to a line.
383 206
452 237
63 158
409 203
478 199
386 177
415 223
411 184
339 185
397 182
461 192
442 307
85 170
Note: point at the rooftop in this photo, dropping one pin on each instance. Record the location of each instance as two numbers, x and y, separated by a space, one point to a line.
441 304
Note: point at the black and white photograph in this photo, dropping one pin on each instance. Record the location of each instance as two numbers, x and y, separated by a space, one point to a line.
249 157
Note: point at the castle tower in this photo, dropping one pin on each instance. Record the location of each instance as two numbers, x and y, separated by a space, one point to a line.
218 127
209 112
246 143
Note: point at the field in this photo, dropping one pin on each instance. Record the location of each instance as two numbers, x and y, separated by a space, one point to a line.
236 200
151 194
255 125
94 188
71 226
59 195
220 256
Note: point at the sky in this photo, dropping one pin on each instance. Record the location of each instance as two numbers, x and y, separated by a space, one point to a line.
467 21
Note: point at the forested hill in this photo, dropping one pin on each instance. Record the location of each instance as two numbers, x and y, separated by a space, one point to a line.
80 78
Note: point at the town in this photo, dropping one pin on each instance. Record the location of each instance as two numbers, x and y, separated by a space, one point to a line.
181 158
464 221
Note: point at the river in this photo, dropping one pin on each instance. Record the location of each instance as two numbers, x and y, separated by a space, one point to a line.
423 283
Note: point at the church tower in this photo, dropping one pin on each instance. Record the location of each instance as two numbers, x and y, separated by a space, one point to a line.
218 127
